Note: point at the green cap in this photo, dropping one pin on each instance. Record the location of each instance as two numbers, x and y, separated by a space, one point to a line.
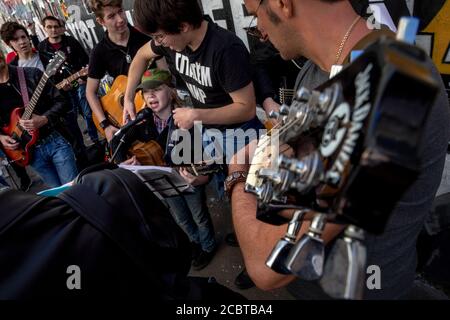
153 78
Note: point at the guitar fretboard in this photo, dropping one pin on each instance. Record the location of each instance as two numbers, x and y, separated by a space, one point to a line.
73 77
34 99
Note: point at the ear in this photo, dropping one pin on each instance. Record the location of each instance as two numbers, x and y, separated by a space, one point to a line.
184 27
100 21
286 7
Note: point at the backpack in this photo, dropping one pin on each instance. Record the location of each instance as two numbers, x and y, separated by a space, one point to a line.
108 229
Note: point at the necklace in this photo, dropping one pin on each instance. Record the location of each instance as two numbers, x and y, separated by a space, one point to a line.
127 55
344 40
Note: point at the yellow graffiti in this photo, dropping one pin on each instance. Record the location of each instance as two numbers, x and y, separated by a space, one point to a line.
440 27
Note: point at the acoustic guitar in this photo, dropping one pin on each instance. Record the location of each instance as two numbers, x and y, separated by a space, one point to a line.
26 140
112 103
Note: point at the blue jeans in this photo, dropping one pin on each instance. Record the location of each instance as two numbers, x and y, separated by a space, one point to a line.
80 104
193 217
218 178
54 161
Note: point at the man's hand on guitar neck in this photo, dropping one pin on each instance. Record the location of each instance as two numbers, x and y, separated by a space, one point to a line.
67 85
8 142
34 123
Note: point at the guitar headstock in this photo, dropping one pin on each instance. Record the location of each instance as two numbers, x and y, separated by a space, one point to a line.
55 63
367 124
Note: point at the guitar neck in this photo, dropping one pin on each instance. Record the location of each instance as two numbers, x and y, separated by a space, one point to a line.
34 99
73 77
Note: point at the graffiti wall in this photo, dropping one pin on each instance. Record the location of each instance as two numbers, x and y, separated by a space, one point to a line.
80 22
231 14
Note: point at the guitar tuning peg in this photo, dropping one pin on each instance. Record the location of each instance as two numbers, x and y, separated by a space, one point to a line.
274 115
305 259
284 110
344 271
277 258
303 95
308 170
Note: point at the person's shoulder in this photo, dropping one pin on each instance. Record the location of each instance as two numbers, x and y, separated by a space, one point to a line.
71 39
99 48
224 37
43 44
32 72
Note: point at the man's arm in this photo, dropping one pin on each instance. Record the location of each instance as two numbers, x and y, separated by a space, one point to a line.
242 109
137 68
257 239
94 102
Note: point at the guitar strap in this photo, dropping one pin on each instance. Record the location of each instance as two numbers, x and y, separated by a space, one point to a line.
23 86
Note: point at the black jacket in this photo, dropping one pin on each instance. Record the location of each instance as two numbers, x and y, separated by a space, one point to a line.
76 57
50 104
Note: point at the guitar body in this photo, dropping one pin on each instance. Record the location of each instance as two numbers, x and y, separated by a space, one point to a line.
22 155
148 153
112 103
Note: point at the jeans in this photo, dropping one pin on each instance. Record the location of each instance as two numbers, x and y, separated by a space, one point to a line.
54 161
193 217
229 148
80 104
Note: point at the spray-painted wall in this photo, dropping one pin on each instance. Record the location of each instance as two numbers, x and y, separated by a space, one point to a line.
80 21
230 14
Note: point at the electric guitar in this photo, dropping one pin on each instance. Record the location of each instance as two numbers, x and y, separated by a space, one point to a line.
26 140
112 103
83 72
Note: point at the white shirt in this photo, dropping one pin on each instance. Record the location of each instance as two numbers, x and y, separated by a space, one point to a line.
34 62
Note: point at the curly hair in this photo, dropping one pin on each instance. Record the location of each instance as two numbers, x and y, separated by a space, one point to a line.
8 30
98 5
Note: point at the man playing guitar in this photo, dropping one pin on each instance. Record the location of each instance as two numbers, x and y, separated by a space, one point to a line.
112 55
76 59
53 158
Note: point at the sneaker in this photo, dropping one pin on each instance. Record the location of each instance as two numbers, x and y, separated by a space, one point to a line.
243 280
231 240
202 260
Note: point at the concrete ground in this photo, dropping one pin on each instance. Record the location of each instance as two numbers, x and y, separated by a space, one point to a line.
228 262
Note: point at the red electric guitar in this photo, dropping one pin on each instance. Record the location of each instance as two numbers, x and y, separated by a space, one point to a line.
26 139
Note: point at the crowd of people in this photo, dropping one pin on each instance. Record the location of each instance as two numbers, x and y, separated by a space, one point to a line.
170 49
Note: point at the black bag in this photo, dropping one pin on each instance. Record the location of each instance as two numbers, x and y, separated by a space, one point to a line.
120 235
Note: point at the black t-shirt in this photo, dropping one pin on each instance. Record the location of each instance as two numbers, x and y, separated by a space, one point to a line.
218 67
108 57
